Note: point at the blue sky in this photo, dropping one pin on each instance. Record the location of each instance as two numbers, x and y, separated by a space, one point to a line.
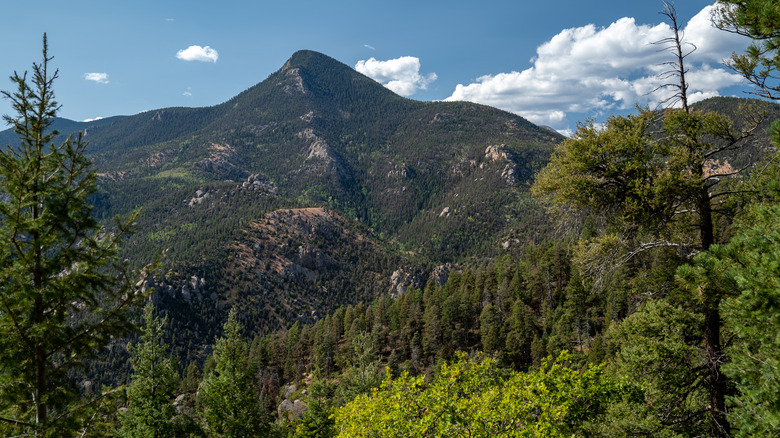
554 62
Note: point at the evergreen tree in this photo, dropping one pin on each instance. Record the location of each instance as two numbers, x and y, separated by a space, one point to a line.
759 20
364 373
60 300
753 315
150 411
317 421
749 267
656 181
230 404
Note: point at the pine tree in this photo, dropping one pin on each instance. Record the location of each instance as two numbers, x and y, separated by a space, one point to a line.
749 268
657 181
60 300
227 394
150 411
759 20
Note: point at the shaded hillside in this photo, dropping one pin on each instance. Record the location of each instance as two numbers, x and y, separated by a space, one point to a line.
319 130
316 188
740 110
422 183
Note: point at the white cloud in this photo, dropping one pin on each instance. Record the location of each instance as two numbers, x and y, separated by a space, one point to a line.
198 53
369 47
92 120
100 78
591 70
402 75
187 92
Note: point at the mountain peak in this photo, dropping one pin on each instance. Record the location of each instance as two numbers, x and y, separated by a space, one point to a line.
319 76
303 58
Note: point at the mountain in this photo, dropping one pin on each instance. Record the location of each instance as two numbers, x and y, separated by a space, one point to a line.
315 188
319 129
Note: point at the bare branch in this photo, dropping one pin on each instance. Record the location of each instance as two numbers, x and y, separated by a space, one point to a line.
731 192
16 422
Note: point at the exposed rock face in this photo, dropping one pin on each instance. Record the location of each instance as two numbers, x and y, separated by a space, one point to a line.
111 176
322 156
313 258
320 149
199 197
194 288
508 243
292 410
289 390
441 273
293 83
308 117
441 117
178 403
499 153
256 181
156 159
223 161
496 153
401 172
288 407
401 281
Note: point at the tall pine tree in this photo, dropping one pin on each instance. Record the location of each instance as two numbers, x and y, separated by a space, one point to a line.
228 395
60 301
150 412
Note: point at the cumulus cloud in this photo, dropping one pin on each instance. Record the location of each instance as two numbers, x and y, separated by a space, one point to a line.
92 120
198 53
100 78
402 75
595 69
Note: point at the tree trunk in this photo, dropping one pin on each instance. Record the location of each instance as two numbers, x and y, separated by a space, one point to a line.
719 425
717 382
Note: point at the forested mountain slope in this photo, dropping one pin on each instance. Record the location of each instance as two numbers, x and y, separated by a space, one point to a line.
315 188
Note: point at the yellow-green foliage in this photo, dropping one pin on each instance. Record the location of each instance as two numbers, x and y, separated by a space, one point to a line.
473 397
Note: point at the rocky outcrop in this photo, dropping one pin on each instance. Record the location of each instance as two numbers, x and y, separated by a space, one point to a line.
500 154
401 281
313 258
292 83
321 157
259 182
442 117
187 290
400 172
222 161
289 408
441 273
199 197
292 410
308 117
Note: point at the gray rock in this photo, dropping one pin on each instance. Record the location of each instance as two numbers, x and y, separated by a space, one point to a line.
289 390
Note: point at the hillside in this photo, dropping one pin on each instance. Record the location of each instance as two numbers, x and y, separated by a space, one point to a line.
315 188
322 133
347 230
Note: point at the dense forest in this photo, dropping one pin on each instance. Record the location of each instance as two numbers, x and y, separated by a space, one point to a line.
629 289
